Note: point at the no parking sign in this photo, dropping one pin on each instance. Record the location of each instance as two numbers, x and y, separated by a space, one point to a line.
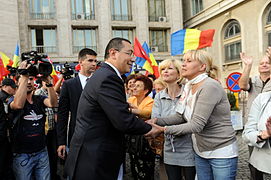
232 82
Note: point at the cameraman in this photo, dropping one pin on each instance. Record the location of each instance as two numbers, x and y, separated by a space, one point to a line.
30 152
69 96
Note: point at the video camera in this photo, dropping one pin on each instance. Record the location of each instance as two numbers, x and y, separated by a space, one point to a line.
40 66
67 71
12 70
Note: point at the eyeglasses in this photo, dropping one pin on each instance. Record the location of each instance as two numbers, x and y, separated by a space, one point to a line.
131 53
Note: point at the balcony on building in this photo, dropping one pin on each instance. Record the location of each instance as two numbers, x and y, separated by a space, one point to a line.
76 49
117 17
42 15
83 16
44 49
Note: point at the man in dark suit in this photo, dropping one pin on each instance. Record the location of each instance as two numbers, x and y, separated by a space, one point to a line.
69 97
97 147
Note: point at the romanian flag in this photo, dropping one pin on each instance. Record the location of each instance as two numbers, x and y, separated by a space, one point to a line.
54 73
145 58
6 60
132 71
190 39
16 57
3 70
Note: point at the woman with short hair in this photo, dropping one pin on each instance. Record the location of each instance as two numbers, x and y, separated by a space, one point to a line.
204 110
141 155
178 152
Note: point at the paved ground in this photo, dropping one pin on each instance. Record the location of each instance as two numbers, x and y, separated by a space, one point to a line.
243 170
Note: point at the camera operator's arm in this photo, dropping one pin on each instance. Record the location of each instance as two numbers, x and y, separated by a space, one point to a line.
51 101
21 93
58 83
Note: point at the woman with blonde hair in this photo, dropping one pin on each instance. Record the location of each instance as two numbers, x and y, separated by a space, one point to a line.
178 151
204 110
158 85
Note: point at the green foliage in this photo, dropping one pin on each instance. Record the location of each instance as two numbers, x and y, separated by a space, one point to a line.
232 101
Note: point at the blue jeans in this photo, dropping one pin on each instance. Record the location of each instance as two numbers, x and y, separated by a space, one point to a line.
26 166
216 168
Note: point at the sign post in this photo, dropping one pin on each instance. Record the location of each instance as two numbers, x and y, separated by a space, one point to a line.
232 84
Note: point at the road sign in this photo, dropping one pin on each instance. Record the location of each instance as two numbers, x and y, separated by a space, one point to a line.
232 82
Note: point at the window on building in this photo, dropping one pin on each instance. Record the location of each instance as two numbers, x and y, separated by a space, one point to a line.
124 33
121 10
43 40
232 51
269 38
84 38
232 29
157 10
42 9
269 17
158 40
83 9
197 6
232 41
268 26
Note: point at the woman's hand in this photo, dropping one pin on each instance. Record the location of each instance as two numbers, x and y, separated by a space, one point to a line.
155 131
152 121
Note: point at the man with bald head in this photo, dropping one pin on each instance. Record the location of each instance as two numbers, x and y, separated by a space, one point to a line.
254 86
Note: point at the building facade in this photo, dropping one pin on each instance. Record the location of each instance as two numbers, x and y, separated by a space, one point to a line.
9 28
61 28
241 26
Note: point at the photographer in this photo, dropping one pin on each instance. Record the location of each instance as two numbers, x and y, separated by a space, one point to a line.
69 96
29 146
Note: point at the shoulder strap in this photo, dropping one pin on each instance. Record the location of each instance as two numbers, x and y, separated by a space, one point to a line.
17 118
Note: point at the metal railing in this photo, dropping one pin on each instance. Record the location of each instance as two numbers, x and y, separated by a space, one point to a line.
76 49
121 17
157 19
44 49
83 16
42 15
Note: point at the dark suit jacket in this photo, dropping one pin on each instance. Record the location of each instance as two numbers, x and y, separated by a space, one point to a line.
97 146
68 102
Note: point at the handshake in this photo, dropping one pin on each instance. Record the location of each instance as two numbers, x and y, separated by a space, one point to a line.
156 129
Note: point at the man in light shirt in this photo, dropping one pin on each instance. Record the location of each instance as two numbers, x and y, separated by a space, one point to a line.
69 97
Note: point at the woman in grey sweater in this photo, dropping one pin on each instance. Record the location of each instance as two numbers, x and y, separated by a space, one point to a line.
178 152
204 110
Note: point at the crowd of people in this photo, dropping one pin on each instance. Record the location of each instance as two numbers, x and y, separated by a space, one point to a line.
93 123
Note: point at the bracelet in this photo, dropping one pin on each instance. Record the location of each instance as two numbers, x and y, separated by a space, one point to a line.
49 85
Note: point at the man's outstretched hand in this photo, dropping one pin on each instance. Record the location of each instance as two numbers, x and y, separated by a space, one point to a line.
155 131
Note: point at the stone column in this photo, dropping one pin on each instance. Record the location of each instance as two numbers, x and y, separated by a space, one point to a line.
104 31
64 30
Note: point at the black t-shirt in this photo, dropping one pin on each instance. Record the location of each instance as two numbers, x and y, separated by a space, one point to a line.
29 131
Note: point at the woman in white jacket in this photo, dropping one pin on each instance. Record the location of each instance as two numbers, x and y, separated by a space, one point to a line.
257 132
